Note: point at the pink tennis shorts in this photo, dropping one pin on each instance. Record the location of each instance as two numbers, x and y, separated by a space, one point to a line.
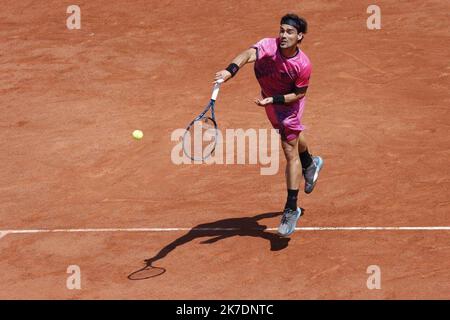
287 119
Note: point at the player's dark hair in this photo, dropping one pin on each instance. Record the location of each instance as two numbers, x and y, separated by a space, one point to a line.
297 22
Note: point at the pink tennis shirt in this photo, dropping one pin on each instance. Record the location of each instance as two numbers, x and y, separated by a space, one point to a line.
277 75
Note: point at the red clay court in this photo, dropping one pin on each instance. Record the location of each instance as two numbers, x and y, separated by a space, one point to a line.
76 189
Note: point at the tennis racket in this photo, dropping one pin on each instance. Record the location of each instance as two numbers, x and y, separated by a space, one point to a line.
200 137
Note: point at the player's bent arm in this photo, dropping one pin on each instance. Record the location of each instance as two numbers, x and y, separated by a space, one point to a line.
290 97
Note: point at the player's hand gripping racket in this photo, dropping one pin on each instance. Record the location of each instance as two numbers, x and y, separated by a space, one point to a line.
200 137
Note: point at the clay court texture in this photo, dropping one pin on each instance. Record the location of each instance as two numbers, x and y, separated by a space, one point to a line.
77 189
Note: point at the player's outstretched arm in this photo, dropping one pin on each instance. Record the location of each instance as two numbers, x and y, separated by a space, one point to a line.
244 57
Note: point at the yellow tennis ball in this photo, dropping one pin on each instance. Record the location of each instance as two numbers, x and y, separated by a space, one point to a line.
138 134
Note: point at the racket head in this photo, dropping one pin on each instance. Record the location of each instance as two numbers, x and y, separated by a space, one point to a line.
200 138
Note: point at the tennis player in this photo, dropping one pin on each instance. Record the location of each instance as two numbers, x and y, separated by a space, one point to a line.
283 72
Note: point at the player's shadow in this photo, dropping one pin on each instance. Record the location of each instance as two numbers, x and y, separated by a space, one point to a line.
216 231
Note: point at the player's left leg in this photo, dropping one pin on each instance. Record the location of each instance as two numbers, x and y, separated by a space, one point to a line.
311 165
291 212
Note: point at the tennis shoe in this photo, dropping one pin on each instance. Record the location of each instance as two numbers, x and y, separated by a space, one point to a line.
289 221
311 174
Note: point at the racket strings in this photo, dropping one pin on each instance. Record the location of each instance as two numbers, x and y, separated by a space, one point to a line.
200 139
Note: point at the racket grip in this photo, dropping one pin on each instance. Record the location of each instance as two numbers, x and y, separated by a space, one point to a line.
216 89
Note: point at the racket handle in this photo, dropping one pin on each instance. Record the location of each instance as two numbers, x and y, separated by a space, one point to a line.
216 89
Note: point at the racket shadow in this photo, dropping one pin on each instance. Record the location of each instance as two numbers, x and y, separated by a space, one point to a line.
147 272
217 231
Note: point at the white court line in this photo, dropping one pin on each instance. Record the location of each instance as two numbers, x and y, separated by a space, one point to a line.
3 233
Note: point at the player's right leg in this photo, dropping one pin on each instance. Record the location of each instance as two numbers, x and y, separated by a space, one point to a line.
291 212
288 122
